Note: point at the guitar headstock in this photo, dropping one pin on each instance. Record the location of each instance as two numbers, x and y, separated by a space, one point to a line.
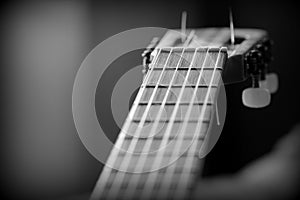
248 57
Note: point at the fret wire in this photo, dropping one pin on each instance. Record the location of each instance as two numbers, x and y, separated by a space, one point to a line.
166 135
125 162
169 120
149 141
147 76
159 138
185 69
170 103
164 191
184 180
178 141
180 86
98 190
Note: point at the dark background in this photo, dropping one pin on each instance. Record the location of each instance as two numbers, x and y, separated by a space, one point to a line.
42 46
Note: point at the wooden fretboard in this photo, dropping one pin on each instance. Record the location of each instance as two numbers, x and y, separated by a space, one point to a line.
156 153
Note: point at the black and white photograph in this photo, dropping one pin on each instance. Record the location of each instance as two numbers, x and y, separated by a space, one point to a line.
150 100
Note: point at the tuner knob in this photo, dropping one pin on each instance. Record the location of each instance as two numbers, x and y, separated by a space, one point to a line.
256 97
270 83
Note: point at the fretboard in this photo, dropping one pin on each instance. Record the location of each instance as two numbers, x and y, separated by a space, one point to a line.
156 153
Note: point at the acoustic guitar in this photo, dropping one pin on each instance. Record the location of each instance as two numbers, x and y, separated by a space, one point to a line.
161 147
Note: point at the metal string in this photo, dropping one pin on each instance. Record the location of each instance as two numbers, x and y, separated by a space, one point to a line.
131 114
180 192
113 192
151 179
99 188
146 148
141 162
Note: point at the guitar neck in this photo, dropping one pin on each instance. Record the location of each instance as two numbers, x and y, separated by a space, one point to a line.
157 150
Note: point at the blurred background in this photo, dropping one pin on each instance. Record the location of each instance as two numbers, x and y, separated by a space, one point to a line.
42 46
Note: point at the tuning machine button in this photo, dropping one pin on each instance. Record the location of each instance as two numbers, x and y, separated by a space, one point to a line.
255 96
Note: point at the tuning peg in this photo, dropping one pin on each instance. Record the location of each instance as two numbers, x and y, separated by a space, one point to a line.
270 83
256 97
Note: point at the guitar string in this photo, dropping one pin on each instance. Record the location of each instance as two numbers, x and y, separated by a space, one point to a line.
140 90
147 146
106 172
133 109
158 162
180 192
121 179
190 160
192 151
141 161
117 182
149 184
179 141
218 36
188 170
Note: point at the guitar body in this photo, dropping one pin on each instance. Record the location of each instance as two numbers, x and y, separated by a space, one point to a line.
178 114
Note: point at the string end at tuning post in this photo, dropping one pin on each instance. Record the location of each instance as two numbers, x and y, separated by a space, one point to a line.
232 35
183 26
